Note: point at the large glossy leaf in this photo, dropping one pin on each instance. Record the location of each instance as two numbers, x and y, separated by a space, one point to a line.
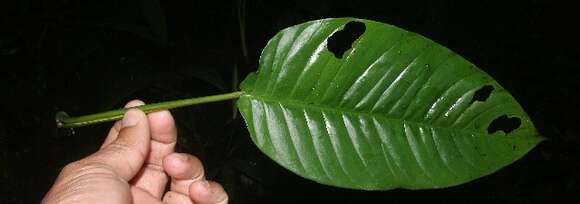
392 109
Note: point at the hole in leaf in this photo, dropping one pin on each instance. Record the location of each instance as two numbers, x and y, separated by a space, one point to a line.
340 41
482 94
504 123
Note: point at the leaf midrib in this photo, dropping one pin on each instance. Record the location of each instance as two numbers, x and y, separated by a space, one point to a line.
293 102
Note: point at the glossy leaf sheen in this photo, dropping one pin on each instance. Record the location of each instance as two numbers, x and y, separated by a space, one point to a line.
395 112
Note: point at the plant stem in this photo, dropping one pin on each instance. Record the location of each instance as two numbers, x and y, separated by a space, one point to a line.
64 121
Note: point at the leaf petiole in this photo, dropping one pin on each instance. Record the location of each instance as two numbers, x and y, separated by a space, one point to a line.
65 121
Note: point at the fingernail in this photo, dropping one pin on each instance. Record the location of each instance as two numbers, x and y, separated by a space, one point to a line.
130 119
134 103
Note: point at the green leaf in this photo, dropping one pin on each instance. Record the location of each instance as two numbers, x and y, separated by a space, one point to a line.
389 109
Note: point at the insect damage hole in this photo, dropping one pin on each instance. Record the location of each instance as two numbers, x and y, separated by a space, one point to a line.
504 123
340 41
482 94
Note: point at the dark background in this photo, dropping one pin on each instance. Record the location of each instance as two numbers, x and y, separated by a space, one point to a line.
88 56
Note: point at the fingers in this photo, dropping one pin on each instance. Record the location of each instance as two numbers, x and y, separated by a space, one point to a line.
163 137
207 192
188 182
152 178
125 154
184 169
114 132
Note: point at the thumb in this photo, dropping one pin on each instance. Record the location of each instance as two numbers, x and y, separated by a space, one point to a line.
126 154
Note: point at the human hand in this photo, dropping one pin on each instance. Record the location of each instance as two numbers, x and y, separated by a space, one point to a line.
133 165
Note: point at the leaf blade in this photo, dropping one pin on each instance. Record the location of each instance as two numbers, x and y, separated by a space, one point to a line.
395 111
